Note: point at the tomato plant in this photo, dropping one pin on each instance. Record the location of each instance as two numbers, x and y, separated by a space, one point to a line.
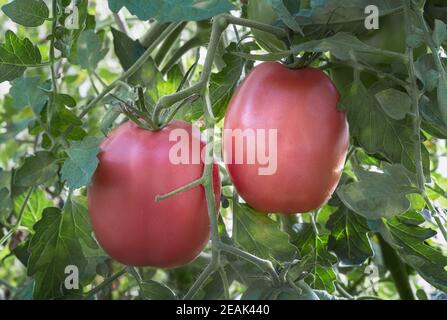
100 101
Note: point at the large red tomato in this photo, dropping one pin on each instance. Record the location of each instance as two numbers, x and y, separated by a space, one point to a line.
312 138
134 167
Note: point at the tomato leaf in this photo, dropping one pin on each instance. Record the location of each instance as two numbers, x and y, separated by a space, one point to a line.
26 92
378 195
37 169
90 50
78 170
349 237
28 13
153 290
426 72
126 49
58 242
439 33
260 235
282 11
342 45
16 55
315 256
395 103
377 133
410 240
173 10
6 203
37 202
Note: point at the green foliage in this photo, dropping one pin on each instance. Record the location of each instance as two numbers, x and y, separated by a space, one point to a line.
29 13
315 256
260 235
16 55
349 237
55 107
172 10
61 239
81 163
378 195
37 169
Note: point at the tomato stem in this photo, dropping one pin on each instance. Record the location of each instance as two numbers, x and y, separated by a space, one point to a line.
188 186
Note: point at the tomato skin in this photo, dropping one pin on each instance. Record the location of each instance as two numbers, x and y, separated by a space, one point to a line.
129 224
312 137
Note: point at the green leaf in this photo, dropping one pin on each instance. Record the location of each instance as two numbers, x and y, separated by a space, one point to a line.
439 33
78 170
285 16
377 133
432 121
16 55
173 10
26 92
260 235
442 96
36 169
377 194
63 118
57 243
28 13
6 204
395 103
342 46
153 290
109 118
426 72
37 202
90 50
349 237
410 241
60 98
66 39
415 40
126 49
316 257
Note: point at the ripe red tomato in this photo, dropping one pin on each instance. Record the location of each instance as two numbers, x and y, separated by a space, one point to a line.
312 138
133 228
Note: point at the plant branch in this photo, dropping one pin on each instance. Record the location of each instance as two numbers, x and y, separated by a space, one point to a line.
168 43
19 218
263 264
105 283
398 270
188 45
219 24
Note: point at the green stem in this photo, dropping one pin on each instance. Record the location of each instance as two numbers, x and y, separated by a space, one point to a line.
188 186
287 222
19 217
168 43
436 217
263 264
415 95
225 284
154 33
105 283
220 23
398 270
188 45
